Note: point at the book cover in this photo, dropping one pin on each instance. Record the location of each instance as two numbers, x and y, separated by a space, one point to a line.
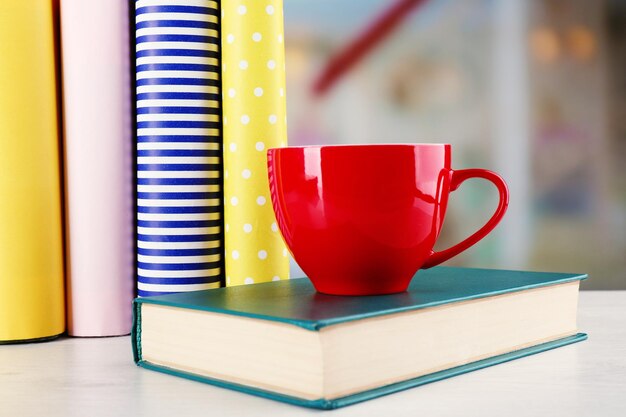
254 108
179 153
32 304
98 149
296 303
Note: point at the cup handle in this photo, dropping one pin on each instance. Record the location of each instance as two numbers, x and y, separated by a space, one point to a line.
457 178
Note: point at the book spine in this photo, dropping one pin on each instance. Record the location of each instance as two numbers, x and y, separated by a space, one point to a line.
98 162
179 155
254 120
31 233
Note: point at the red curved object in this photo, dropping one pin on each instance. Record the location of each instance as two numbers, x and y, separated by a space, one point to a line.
375 33
362 219
458 177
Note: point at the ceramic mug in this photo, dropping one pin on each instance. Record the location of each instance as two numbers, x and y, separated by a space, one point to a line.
363 219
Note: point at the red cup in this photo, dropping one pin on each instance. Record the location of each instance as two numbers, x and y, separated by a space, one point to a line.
363 219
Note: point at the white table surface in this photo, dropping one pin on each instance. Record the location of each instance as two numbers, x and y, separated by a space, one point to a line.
97 377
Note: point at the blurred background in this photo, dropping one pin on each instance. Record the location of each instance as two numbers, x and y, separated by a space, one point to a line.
535 90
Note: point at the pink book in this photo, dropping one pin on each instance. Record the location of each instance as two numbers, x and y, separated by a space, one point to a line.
98 164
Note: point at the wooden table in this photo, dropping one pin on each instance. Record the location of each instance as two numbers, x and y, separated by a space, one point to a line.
96 377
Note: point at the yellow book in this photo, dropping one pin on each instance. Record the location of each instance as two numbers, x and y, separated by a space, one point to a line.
31 240
253 88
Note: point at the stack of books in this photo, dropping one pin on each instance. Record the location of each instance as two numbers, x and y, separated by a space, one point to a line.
117 153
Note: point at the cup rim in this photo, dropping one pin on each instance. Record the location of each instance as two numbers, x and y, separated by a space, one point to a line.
363 145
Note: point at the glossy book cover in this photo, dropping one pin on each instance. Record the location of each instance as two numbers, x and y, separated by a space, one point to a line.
179 147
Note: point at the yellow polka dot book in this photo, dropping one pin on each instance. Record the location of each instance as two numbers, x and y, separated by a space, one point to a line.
254 119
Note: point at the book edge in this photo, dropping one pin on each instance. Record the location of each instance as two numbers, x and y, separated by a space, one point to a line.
335 321
319 324
325 404
457 370
41 339
135 332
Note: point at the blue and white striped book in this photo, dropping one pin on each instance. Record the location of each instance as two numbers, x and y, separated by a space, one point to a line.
179 219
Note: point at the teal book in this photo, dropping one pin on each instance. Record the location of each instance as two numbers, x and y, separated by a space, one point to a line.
284 341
